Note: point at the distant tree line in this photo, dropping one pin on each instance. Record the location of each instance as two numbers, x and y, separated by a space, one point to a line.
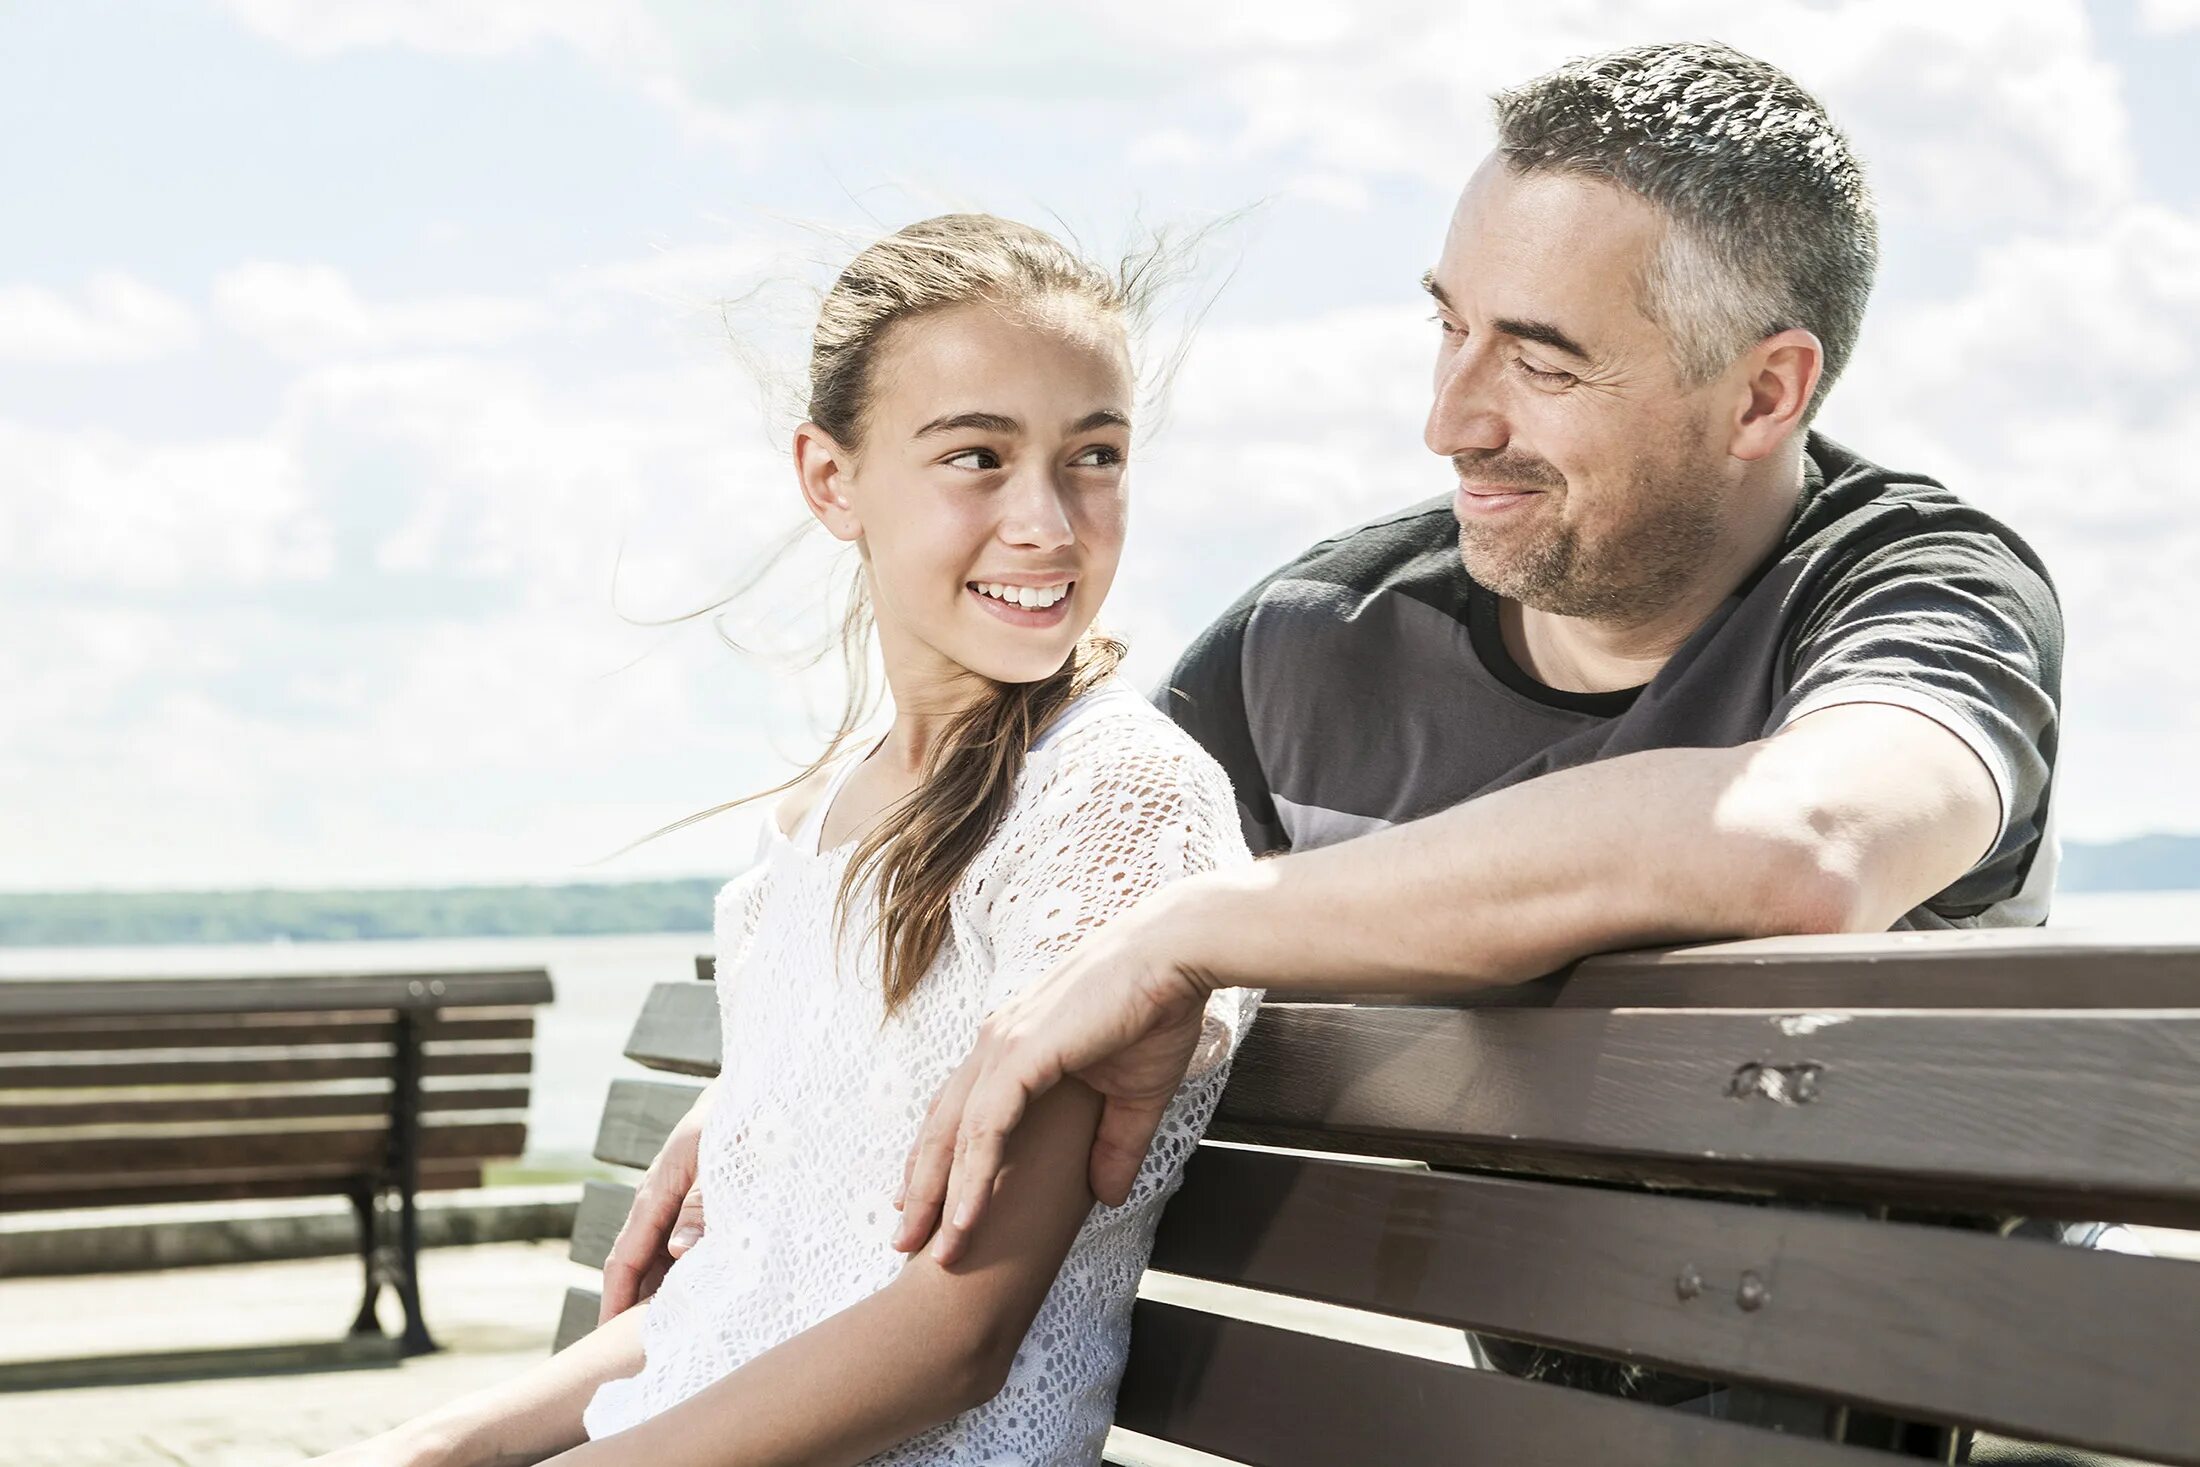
113 919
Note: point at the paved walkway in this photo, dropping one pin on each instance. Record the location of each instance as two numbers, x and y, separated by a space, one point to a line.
492 1307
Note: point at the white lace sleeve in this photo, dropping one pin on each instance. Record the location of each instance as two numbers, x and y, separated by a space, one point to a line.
1132 806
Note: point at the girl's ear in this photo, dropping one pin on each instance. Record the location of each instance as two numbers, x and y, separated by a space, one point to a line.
823 467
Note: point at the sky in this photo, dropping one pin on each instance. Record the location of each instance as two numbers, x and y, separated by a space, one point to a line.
382 384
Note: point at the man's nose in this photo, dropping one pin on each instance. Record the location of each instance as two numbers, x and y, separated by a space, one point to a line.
1464 415
1035 515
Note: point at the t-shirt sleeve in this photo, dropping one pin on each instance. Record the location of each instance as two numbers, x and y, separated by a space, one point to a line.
1129 809
1205 694
1953 625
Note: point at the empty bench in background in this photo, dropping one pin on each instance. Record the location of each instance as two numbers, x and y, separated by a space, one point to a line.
1621 1126
371 1087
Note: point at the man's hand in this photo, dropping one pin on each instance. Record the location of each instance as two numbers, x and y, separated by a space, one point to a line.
1120 1014
668 1201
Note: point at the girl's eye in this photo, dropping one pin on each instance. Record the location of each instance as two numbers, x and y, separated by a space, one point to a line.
1099 456
987 458
1548 379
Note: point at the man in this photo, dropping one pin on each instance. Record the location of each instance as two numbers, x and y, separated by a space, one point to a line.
1665 665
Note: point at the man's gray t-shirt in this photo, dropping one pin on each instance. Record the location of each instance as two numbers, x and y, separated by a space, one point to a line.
1366 683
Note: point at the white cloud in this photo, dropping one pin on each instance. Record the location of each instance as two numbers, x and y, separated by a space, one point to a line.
305 311
2057 389
475 28
2163 17
101 511
116 318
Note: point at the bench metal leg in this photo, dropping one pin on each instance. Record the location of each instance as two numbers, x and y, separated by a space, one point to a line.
405 1154
363 1209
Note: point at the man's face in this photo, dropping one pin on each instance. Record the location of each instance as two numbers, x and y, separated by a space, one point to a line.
1591 482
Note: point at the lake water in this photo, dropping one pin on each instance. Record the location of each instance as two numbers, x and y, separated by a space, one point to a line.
600 983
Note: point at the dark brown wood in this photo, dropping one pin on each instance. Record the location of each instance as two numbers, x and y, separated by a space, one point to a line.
217 1069
637 1116
20 997
238 1031
1258 1394
254 1105
1925 1323
137 1187
596 1222
576 1316
2011 968
677 1030
2059 1115
31 1165
706 968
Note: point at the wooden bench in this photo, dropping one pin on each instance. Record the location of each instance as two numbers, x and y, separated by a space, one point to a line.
373 1087
1622 1128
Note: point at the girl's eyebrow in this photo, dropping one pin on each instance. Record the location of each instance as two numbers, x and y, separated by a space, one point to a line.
997 423
981 422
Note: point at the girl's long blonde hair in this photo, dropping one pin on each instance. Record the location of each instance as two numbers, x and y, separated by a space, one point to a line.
919 851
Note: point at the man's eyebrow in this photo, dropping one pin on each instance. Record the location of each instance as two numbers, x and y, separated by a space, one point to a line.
1537 331
1544 332
978 422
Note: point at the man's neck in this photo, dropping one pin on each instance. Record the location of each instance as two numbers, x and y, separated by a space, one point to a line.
1580 655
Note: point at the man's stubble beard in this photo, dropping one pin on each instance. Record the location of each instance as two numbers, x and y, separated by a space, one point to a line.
1635 570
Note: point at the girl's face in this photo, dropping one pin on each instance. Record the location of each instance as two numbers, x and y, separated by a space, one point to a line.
988 495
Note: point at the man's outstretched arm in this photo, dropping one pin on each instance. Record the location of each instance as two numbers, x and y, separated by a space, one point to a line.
1842 821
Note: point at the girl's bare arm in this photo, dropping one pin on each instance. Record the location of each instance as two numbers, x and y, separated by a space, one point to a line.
932 1344
518 1422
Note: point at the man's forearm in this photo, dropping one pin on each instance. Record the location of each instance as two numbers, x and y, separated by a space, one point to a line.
1662 846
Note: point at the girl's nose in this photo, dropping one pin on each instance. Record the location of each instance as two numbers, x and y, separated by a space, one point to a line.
1035 516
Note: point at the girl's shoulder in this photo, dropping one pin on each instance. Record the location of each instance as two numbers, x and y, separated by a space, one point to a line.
795 805
1114 740
1112 722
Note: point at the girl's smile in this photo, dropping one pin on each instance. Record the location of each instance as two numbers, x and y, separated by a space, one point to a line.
1022 604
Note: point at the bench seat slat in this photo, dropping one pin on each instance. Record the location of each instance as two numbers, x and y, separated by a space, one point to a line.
596 1222
257 1105
30 1165
2030 1337
288 993
237 1031
30 1075
1256 1393
2069 1115
230 1185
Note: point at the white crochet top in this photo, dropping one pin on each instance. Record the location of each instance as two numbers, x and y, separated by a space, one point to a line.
821 1095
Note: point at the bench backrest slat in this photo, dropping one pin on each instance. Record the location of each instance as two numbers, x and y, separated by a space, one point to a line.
1899 1318
1255 1393
1975 1074
2057 1115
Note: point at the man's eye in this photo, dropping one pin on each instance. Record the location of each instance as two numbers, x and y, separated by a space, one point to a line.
1446 327
1548 379
986 458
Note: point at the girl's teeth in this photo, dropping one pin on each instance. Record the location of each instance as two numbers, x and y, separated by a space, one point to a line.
1028 597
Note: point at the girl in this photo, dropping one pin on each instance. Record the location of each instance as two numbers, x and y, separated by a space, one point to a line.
969 430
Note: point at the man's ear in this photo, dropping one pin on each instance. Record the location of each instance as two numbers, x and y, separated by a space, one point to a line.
822 467
1778 376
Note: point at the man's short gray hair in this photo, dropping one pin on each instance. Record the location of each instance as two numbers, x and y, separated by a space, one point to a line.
1769 222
